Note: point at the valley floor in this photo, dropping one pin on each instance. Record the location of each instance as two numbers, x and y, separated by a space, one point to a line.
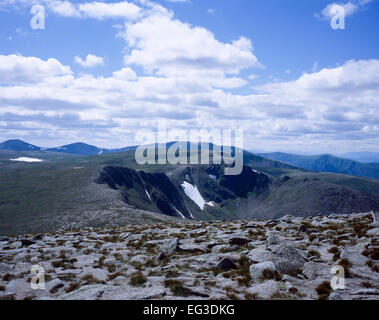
290 258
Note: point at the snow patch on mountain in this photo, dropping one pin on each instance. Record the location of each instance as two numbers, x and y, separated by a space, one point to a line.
180 213
193 193
26 159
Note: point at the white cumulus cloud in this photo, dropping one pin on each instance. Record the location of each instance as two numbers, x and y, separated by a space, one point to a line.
20 69
166 46
90 61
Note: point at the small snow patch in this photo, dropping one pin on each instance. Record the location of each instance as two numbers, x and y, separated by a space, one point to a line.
180 213
26 159
193 193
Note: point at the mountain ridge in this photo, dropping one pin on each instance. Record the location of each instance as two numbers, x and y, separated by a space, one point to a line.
327 163
78 148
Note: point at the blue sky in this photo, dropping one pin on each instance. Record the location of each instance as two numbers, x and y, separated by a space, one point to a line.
274 67
286 34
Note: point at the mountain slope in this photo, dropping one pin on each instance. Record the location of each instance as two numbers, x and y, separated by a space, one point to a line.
299 196
78 148
150 191
18 145
62 192
326 163
166 194
84 149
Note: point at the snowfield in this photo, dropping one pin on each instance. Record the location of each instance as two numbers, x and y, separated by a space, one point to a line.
26 159
193 193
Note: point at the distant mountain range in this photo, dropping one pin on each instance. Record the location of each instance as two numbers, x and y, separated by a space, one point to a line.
327 163
318 163
18 145
367 157
78 148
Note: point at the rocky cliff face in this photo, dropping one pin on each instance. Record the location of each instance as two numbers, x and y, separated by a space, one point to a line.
251 194
158 192
145 190
248 181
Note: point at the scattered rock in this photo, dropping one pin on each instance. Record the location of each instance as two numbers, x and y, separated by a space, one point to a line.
239 241
374 292
312 270
161 256
354 255
219 248
188 292
38 237
286 266
20 288
260 255
138 260
274 239
211 245
190 249
54 285
170 246
98 264
265 290
256 270
34 260
291 254
26 242
287 218
373 232
226 264
375 217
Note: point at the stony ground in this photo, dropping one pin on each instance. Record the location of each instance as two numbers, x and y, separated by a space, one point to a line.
290 258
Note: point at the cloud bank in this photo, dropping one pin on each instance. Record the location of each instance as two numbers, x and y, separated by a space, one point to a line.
187 78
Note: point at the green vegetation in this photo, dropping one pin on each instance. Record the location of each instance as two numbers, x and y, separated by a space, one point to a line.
138 279
324 290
